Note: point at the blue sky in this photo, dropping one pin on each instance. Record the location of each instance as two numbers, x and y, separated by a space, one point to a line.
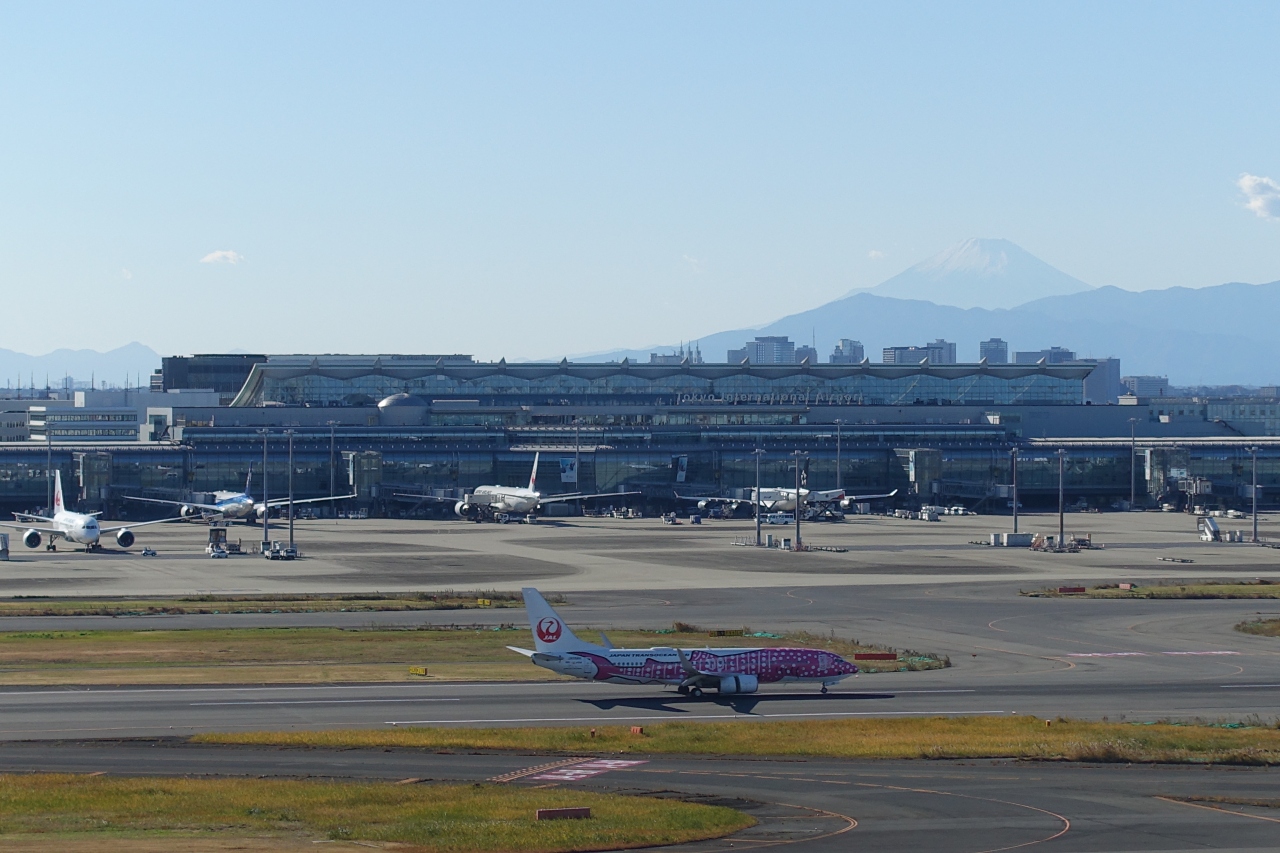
528 179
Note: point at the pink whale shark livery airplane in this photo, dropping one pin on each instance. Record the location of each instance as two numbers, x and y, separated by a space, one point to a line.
691 671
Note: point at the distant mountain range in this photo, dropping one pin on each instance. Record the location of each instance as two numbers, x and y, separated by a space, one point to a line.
131 362
1213 335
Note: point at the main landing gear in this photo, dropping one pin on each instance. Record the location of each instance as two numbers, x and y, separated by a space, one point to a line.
824 688
695 692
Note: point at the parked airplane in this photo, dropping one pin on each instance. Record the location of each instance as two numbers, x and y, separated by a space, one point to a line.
489 502
78 527
784 500
690 671
233 504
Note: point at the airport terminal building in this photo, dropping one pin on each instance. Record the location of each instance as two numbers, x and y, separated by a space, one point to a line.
391 427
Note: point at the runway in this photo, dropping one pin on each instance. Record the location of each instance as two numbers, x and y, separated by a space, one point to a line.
1135 660
811 805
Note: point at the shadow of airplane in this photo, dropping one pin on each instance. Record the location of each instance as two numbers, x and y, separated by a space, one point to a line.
678 704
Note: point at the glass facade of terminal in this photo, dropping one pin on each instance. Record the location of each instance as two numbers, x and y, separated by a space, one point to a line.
346 383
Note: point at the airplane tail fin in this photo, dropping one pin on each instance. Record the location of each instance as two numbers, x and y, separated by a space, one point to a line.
248 480
58 505
550 634
533 475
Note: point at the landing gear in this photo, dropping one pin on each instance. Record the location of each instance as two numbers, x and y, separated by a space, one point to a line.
696 692
682 690
51 547
824 688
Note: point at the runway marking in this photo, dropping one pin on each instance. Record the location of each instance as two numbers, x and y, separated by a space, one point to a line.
1246 686
538 768
1216 809
694 717
1066 822
231 688
370 701
586 769
1140 654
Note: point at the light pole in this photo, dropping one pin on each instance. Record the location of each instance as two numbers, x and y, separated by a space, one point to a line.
289 433
48 465
577 456
1133 462
1013 471
332 469
1253 451
799 500
757 453
1062 500
266 506
839 423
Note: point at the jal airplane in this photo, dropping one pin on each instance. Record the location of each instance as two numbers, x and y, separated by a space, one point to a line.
77 527
233 504
784 500
690 671
492 501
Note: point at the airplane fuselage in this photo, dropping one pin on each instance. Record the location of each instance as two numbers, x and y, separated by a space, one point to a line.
663 666
77 527
506 498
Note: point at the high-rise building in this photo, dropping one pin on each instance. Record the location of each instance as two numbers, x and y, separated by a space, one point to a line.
1146 386
771 349
848 352
1103 385
1052 355
995 351
938 352
806 352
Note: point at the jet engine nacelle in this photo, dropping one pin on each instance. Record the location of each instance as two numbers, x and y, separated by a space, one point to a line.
704 505
739 684
124 537
186 511
463 509
31 539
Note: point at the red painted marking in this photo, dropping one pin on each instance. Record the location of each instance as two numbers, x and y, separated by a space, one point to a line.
550 629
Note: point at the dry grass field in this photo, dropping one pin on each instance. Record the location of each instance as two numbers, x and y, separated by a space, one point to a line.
65 812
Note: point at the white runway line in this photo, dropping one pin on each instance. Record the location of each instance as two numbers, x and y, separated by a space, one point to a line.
670 719
315 702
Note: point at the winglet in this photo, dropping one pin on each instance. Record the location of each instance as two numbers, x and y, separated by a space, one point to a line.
606 642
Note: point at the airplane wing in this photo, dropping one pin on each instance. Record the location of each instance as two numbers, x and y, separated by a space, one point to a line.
285 501
563 498
203 507
26 516
52 531
709 499
420 497
140 524
859 498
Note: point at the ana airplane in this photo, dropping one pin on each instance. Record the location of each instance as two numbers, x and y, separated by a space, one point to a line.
690 671
78 527
784 500
491 502
233 504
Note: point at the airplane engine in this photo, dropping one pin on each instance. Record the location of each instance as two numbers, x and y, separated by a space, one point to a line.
739 684
31 539
703 506
464 509
124 537
186 511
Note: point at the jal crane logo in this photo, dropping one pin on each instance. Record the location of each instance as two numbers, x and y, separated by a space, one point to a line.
549 629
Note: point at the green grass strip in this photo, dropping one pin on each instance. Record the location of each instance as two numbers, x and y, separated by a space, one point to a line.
863 738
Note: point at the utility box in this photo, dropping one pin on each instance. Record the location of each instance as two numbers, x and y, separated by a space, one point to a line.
1011 540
